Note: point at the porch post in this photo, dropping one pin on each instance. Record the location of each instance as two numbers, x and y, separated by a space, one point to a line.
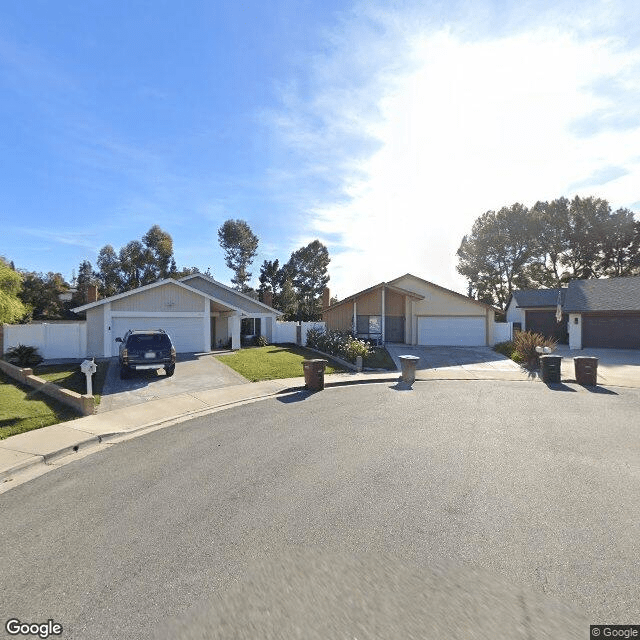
234 328
355 319
106 347
206 321
383 336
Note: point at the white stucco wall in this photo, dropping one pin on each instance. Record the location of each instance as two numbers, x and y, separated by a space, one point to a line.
515 314
575 331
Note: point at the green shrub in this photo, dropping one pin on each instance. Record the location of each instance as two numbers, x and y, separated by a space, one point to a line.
260 341
23 356
525 343
337 343
505 348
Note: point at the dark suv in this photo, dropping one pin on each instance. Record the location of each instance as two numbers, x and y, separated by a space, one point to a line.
149 349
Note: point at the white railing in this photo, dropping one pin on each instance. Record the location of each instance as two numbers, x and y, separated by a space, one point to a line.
288 331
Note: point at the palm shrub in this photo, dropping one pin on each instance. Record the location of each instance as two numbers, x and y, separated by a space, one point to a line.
23 356
524 347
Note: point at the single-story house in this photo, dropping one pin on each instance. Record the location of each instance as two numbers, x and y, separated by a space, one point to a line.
198 313
535 310
597 313
411 310
604 313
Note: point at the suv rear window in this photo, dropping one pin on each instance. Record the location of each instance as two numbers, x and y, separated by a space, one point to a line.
149 341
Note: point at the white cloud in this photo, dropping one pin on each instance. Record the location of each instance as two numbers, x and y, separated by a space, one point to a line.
475 125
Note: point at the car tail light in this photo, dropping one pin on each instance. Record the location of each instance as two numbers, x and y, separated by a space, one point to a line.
173 352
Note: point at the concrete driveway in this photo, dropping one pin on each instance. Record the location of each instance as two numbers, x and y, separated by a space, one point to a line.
620 367
465 358
194 372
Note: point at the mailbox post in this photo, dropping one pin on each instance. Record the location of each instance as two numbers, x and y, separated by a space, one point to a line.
88 367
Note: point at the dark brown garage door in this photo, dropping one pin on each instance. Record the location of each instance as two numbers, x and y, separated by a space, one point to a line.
544 322
611 331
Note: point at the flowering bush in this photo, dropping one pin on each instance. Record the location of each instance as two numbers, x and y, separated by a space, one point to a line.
337 343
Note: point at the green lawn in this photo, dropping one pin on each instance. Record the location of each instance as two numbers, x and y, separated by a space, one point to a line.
23 409
70 377
379 359
272 362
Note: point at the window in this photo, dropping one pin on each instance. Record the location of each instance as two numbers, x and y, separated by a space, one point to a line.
250 327
375 324
369 324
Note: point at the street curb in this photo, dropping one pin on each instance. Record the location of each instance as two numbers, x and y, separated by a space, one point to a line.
40 459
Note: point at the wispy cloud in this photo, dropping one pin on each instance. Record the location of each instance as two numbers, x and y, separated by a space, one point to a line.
72 238
460 121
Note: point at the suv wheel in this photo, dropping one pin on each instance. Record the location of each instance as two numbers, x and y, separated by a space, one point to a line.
124 373
170 369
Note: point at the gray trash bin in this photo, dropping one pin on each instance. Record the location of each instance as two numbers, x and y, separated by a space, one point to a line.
550 368
408 364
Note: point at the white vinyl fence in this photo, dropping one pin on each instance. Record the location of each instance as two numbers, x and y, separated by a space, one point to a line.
288 331
502 331
53 339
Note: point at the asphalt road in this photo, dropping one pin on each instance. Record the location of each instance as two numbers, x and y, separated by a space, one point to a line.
469 509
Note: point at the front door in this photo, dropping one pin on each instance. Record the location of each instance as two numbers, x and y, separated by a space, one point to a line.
394 329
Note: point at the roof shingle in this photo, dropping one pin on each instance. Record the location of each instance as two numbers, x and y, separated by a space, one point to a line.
531 298
611 294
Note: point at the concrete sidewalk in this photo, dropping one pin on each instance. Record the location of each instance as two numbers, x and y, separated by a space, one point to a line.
42 446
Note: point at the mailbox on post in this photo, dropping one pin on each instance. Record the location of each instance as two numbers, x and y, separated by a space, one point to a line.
88 367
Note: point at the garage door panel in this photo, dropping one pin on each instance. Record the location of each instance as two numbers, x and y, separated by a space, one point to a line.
187 334
452 331
611 331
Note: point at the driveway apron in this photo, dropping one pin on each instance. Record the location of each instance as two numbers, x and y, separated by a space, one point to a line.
194 372
464 358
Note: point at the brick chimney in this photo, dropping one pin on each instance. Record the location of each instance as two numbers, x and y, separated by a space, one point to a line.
267 298
326 298
92 293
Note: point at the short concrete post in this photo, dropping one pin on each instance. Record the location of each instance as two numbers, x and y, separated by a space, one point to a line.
409 364
358 364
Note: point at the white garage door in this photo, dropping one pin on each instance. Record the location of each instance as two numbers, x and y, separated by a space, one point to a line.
187 334
452 331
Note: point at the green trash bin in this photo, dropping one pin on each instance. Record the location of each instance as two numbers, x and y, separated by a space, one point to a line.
550 368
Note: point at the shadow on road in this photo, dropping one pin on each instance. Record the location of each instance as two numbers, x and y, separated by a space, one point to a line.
602 390
559 386
298 396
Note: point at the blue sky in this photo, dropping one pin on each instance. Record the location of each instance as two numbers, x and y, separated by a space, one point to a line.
383 129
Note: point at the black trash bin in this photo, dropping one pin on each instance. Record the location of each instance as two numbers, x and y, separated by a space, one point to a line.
314 373
586 370
550 368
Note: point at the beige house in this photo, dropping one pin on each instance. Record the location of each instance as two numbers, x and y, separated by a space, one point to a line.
411 310
198 313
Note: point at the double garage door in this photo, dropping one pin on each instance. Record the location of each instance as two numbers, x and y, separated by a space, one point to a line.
452 331
611 331
187 333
